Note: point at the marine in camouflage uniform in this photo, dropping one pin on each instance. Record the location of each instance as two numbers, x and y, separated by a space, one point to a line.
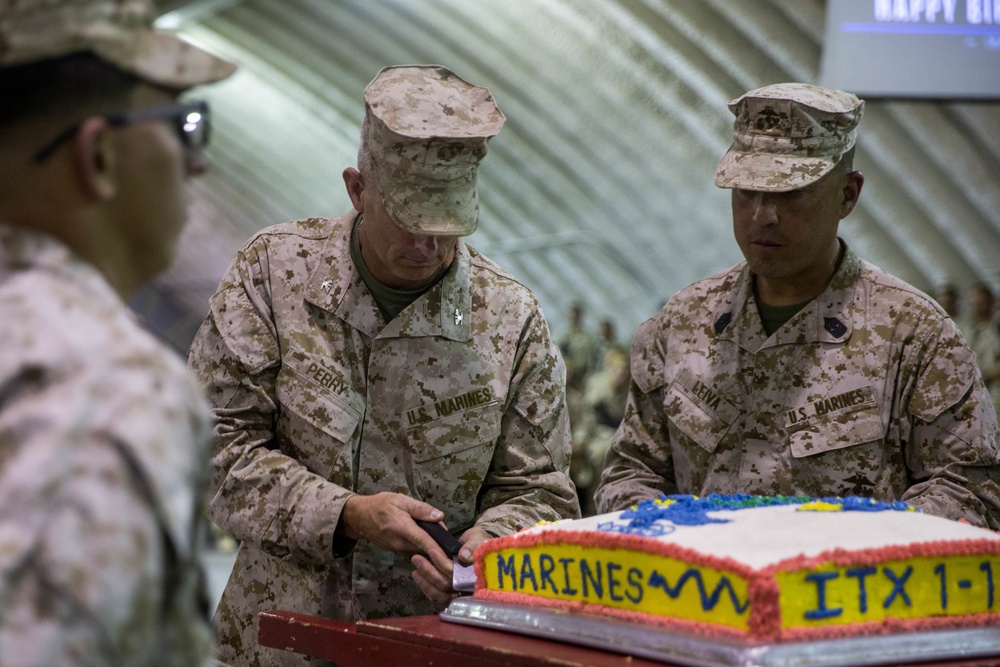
459 400
104 434
105 437
868 389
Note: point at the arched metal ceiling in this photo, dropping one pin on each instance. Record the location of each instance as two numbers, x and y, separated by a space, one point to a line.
599 189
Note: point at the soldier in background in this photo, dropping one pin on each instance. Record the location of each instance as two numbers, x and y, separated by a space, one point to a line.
804 370
947 297
104 434
577 345
607 341
601 413
981 328
371 369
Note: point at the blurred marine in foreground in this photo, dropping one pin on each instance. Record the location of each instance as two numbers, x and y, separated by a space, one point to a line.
103 434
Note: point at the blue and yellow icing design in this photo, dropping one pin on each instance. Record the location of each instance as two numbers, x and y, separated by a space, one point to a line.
632 581
686 510
802 595
904 588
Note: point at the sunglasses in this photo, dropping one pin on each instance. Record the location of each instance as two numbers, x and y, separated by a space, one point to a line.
191 121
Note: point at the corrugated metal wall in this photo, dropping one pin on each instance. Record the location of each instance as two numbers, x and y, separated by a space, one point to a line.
599 188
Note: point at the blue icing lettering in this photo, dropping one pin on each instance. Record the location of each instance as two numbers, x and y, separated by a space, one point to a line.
940 571
822 611
528 572
506 567
596 577
613 582
898 586
586 574
860 573
545 566
567 590
635 584
987 568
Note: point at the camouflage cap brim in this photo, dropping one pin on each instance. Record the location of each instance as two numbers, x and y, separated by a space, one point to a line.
431 206
768 172
788 135
166 60
119 33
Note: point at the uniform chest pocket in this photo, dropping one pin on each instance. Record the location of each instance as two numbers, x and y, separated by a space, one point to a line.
700 414
451 457
826 426
314 424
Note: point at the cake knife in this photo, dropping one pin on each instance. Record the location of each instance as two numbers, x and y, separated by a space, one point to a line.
463 578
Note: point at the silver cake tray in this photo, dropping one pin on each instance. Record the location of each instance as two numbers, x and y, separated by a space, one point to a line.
658 643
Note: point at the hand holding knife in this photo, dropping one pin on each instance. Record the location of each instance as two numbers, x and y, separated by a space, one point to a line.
463 577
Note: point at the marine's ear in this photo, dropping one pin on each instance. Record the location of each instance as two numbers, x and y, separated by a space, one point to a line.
853 182
355 183
93 155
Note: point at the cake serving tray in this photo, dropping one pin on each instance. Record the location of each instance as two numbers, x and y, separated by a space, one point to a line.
658 643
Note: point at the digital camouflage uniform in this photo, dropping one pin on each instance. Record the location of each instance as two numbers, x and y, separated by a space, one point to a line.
869 390
458 402
105 441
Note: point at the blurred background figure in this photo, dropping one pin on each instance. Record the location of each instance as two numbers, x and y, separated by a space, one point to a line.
981 328
948 298
577 345
607 340
601 412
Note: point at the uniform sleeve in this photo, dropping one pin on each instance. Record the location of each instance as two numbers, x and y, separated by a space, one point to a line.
260 494
639 464
99 513
950 435
528 480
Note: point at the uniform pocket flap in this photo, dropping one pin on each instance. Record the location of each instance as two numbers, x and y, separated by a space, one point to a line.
700 413
455 433
318 393
847 419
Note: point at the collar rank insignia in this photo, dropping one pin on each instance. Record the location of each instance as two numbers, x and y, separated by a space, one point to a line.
723 322
834 326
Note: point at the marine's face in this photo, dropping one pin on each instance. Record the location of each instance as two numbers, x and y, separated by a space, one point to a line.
155 168
789 239
398 258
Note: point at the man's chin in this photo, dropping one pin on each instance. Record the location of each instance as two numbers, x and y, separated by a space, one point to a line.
413 279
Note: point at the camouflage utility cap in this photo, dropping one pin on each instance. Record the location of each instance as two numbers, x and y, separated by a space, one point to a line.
117 31
787 136
427 131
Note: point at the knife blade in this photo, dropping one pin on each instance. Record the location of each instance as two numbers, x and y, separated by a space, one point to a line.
463 578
